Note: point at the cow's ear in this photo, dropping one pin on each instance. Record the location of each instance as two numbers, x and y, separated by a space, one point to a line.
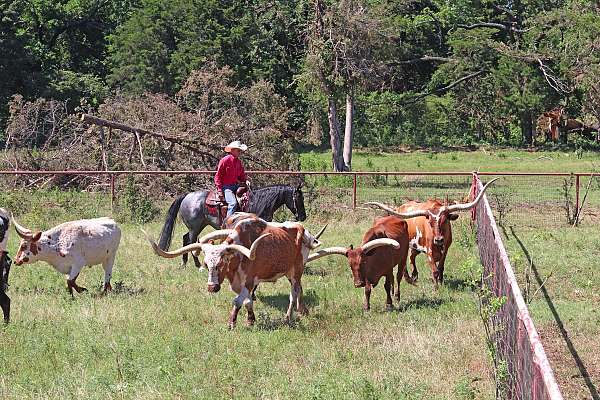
452 217
36 237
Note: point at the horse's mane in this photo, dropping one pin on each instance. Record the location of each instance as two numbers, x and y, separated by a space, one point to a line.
276 185
267 198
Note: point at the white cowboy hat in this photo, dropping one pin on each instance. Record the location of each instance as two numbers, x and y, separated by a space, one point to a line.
236 144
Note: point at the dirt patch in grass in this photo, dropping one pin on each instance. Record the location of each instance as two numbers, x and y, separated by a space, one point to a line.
578 374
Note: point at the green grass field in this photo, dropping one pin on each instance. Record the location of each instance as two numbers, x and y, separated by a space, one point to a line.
534 201
566 310
161 335
485 160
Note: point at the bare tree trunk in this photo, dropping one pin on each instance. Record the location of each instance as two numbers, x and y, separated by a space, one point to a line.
527 127
334 136
349 130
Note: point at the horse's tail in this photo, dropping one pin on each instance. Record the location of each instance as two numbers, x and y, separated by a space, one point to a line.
167 230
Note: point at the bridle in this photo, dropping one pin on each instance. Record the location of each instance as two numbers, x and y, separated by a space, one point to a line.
294 200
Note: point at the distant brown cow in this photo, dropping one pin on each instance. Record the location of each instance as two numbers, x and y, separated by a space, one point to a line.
384 246
430 231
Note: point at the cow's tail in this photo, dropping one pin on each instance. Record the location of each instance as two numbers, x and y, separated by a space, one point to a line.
167 230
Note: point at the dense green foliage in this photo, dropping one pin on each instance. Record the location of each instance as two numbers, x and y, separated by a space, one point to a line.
427 72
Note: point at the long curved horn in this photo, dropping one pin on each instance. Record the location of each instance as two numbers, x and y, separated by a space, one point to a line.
321 232
251 252
406 215
218 234
21 230
171 254
373 244
468 206
327 252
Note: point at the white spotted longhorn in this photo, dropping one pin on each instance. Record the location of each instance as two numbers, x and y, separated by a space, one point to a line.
71 246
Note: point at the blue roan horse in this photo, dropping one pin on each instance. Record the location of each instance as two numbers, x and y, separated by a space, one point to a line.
192 210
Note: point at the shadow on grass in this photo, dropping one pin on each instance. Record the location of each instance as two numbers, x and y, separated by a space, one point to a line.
35 290
122 289
281 301
457 285
421 302
119 288
266 322
559 323
317 271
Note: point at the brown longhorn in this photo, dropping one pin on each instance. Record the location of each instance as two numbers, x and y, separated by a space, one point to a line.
342 250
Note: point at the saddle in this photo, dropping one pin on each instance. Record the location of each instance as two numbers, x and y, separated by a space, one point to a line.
218 208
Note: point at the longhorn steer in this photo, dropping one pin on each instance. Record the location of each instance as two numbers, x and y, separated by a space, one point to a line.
430 231
5 262
258 225
251 253
71 246
384 246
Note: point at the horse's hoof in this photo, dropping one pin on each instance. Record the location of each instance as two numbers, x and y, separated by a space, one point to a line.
389 307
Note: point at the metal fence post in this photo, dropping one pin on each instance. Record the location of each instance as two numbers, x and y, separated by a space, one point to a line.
577 184
354 191
112 193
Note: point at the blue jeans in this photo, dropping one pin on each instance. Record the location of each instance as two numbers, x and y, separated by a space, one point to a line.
229 192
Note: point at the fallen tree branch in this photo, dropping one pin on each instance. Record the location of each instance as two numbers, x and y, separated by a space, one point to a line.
447 87
424 59
142 132
554 82
139 142
504 9
493 25
186 143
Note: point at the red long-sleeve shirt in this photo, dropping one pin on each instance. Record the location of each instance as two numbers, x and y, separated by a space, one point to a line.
229 172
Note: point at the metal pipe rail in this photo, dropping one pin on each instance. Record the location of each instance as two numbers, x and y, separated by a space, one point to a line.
116 173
